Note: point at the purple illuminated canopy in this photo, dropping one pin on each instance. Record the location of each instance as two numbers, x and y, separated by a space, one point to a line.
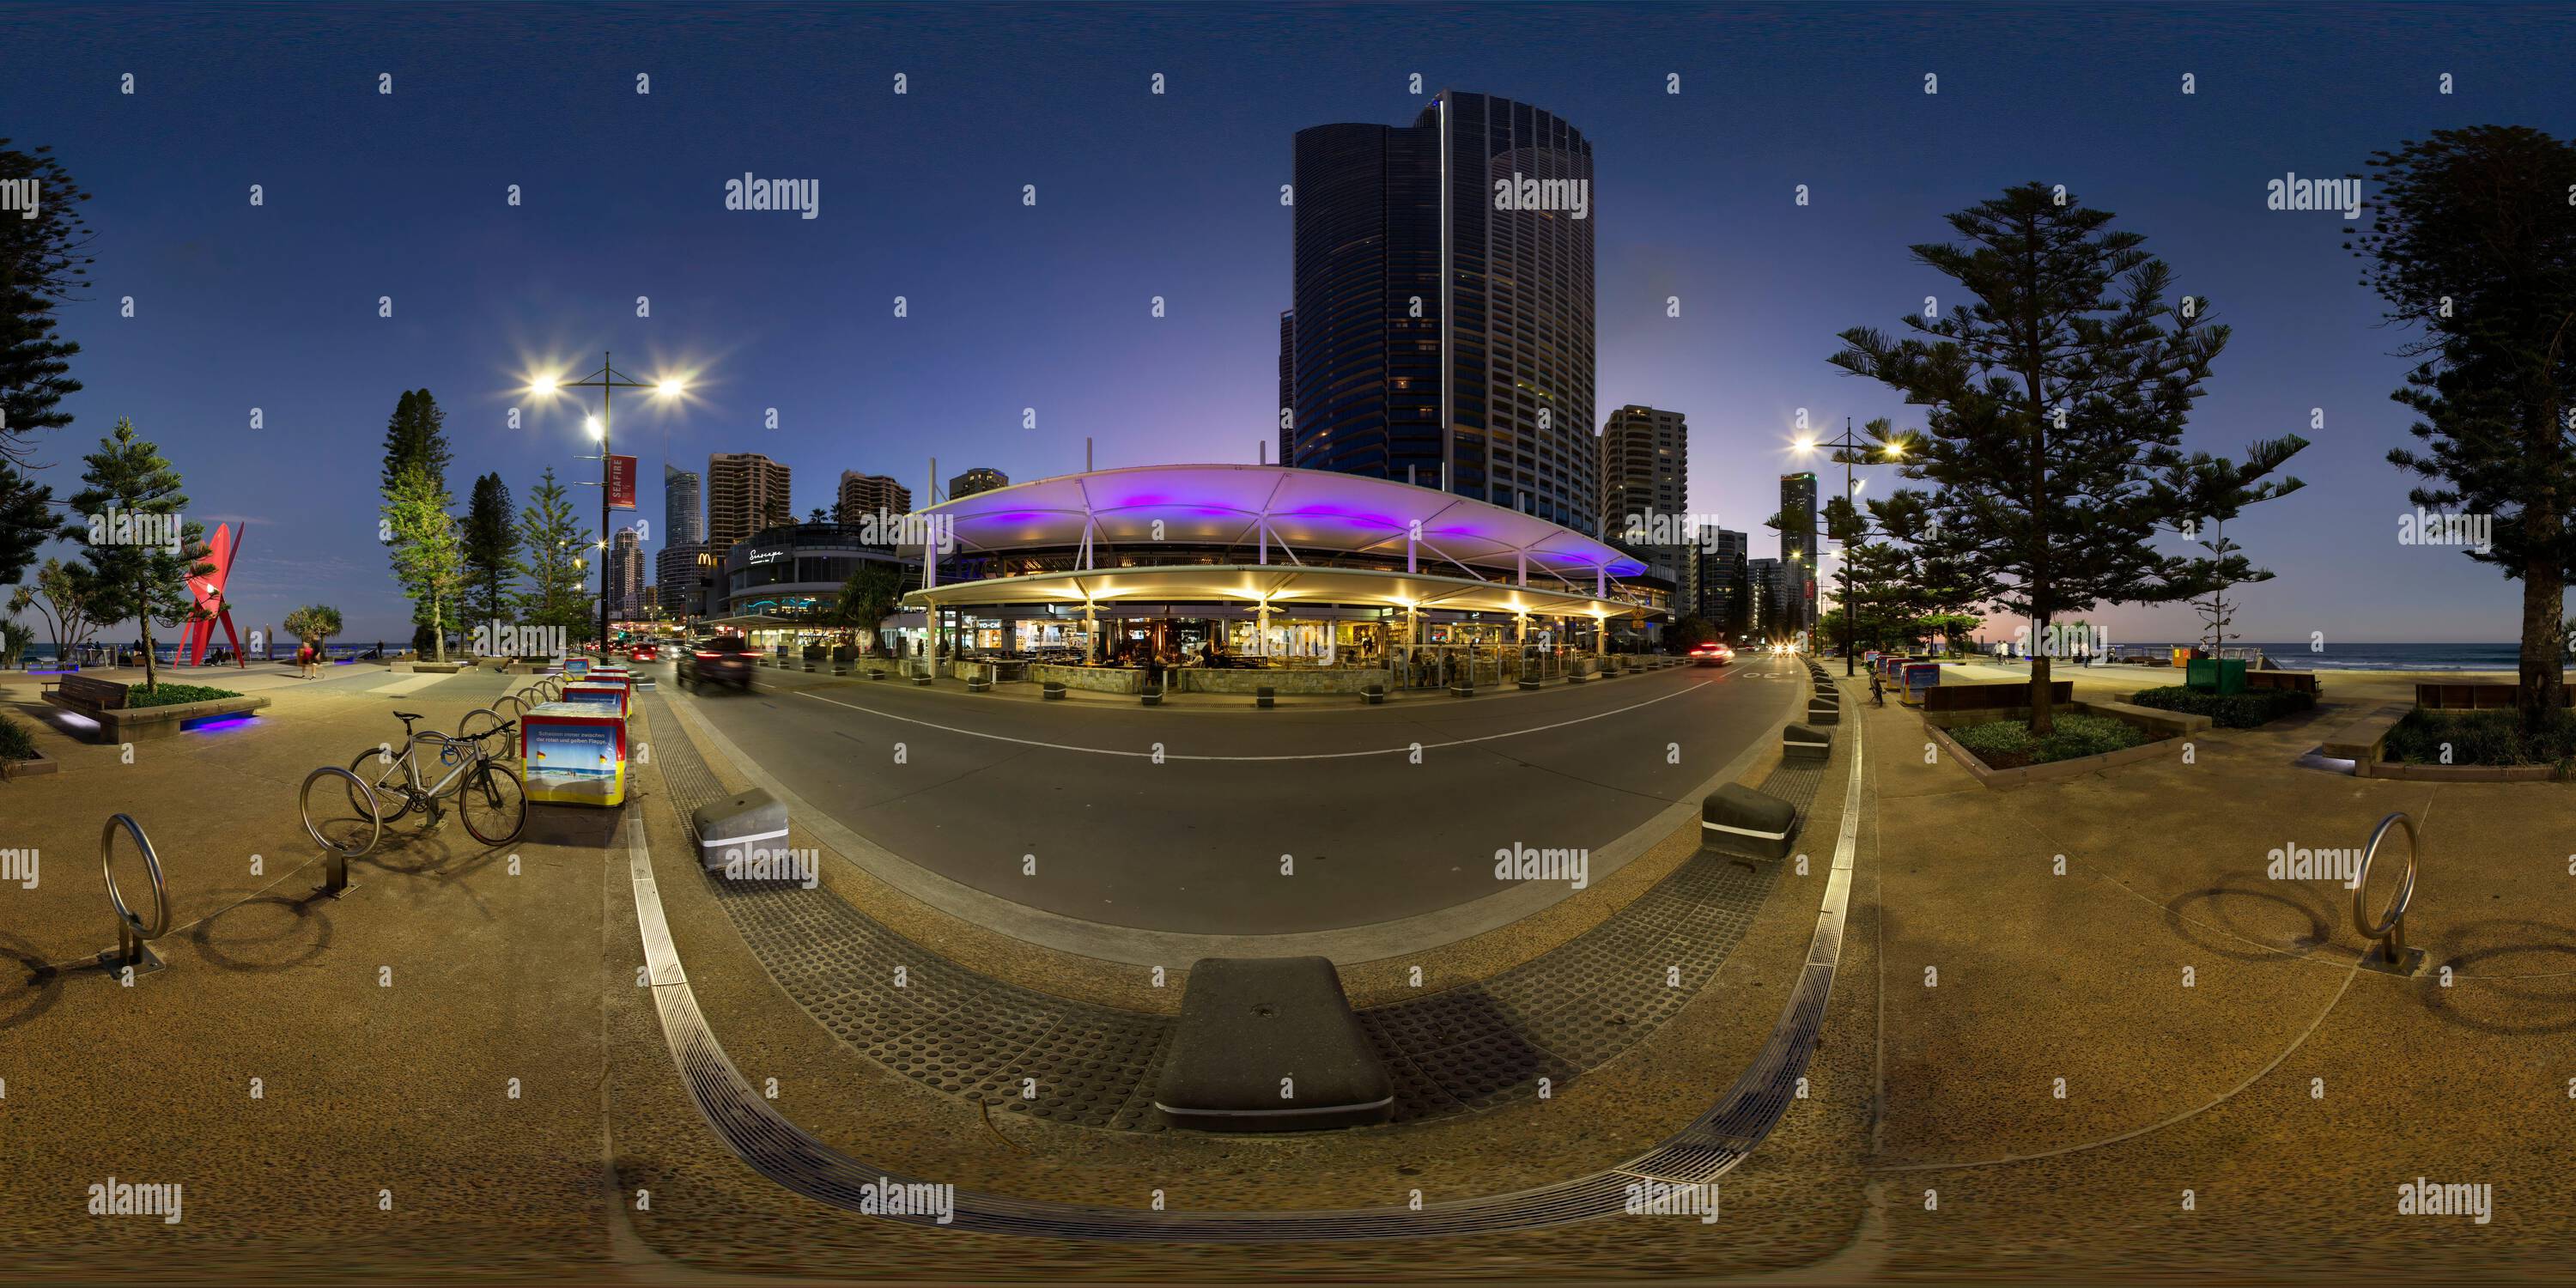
1302 510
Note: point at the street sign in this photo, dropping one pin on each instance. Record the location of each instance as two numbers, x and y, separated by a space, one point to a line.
621 482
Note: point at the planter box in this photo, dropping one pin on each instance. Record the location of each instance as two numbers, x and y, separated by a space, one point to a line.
36 767
1296 681
1090 679
141 724
2160 727
2458 773
2362 741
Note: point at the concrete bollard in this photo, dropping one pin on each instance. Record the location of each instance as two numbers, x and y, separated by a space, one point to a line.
1374 694
979 685
1462 690
1744 820
1529 681
1805 742
740 824
1265 697
1152 695
1824 713
1052 691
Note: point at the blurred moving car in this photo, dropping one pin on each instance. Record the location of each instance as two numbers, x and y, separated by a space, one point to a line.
644 653
720 659
1711 654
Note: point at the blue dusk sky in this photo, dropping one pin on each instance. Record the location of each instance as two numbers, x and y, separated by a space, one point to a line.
369 195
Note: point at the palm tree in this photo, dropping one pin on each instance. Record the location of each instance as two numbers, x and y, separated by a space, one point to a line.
313 624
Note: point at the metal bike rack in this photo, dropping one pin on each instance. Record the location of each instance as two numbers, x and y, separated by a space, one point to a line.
133 951
2389 953
335 857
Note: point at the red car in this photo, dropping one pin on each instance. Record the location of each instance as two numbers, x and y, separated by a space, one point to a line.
644 653
1711 655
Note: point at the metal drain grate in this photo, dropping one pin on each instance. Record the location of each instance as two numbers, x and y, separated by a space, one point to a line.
1463 1050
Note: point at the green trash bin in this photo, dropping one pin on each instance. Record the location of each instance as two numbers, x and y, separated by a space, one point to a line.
2231 675
2202 674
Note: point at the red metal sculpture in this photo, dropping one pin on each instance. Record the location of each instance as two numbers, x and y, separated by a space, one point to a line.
211 605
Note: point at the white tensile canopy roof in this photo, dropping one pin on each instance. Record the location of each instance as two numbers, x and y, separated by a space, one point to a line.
1291 509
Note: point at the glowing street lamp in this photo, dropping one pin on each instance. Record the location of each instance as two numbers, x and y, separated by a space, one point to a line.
605 380
1849 451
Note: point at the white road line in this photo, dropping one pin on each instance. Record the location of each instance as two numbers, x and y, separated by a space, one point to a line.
1404 750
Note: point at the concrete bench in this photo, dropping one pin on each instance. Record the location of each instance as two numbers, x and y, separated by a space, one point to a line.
1270 1044
2477 697
1991 697
2294 681
2358 740
87 696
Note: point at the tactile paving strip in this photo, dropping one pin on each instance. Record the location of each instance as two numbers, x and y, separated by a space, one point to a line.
1463 1050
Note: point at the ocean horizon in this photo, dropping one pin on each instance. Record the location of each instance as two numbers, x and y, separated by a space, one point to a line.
2300 656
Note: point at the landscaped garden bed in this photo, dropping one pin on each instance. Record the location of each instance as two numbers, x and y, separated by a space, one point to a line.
166 694
18 755
2492 738
2009 744
2248 710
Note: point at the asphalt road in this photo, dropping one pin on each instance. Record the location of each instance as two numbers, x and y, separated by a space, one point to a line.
1383 812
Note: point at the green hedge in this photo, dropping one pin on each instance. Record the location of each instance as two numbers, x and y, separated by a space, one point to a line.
2008 744
2232 711
2480 738
15 742
167 694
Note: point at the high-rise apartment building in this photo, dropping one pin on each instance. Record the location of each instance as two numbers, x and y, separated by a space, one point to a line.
684 515
864 495
978 479
684 573
1288 387
1720 582
746 492
1767 581
1443 311
1798 523
1645 481
626 574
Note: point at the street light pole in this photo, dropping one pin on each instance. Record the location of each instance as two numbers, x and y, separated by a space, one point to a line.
606 380
1846 451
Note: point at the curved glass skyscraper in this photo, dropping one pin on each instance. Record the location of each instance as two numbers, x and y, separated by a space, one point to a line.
1443 320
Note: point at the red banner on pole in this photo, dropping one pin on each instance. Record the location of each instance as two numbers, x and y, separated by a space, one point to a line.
621 482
